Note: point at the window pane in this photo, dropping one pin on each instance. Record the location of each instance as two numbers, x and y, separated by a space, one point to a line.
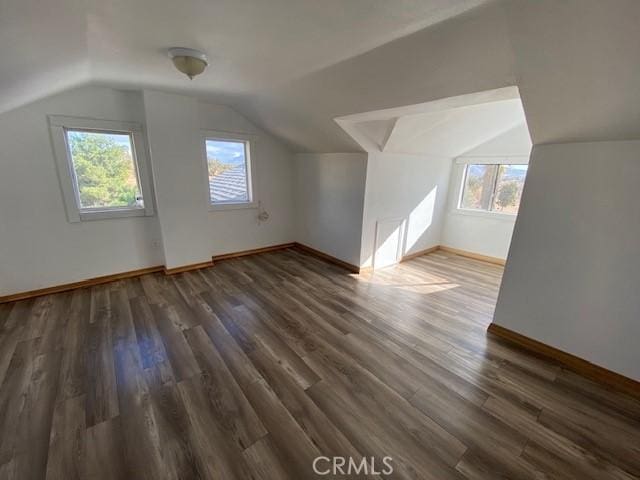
478 187
104 170
509 188
227 164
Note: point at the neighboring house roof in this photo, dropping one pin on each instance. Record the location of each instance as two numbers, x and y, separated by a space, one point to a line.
229 186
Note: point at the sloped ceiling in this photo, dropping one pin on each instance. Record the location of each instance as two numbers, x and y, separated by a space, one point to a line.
575 63
515 142
452 132
43 49
446 129
253 45
293 66
377 132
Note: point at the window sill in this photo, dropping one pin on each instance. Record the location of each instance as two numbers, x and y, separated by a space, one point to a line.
505 217
220 207
115 213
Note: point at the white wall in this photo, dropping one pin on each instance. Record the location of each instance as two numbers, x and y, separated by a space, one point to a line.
488 234
174 140
408 187
191 232
479 232
38 246
236 230
573 271
329 200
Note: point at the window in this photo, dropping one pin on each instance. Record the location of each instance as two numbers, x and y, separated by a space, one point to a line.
493 188
102 173
228 172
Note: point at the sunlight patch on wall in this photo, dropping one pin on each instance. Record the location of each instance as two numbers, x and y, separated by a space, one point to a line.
420 219
388 242
395 237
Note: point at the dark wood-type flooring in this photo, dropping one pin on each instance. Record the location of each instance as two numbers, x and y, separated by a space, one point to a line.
253 368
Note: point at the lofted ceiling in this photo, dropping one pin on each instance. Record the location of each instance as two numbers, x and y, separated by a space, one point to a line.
574 62
293 66
448 128
253 45
453 132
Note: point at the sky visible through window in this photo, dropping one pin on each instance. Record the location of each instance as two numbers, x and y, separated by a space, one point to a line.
227 167
231 153
120 139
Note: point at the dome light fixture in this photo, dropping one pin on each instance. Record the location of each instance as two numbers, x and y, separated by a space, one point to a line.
188 61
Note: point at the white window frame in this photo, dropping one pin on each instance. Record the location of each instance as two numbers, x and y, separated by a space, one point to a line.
249 151
465 162
58 126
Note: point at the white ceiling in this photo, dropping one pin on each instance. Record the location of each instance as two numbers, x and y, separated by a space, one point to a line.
253 45
574 62
450 133
515 142
293 66
447 128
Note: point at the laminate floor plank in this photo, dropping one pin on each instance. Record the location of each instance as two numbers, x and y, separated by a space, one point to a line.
5 310
36 323
12 332
577 459
317 426
243 371
377 436
264 464
623 405
254 368
216 454
178 455
73 371
67 440
391 416
148 337
270 345
479 464
101 393
295 449
31 436
104 457
179 355
225 396
12 397
54 323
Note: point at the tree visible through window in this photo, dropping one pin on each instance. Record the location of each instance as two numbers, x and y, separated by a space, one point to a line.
104 167
495 188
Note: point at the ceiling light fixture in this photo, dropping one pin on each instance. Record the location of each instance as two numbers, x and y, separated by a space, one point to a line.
189 61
